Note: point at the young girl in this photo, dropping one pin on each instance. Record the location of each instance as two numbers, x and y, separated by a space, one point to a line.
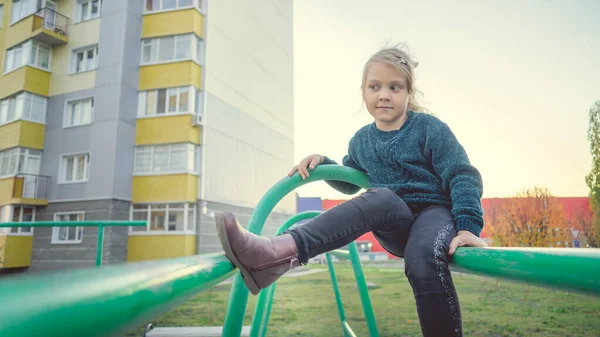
424 200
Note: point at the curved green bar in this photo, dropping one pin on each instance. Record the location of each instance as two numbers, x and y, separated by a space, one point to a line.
107 301
288 184
574 269
238 298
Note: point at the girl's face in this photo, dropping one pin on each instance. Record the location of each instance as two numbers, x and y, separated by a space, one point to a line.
386 95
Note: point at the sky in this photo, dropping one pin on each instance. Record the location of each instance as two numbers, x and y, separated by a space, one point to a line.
514 80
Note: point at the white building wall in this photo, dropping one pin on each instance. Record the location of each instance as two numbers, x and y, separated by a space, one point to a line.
249 129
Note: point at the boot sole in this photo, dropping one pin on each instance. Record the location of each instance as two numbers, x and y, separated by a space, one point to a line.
246 276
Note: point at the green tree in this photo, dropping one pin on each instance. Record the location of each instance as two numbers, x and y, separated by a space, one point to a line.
593 179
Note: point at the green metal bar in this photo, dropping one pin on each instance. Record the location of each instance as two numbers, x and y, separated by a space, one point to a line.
574 269
108 301
260 316
347 329
238 300
342 254
336 293
363 291
99 245
267 315
73 224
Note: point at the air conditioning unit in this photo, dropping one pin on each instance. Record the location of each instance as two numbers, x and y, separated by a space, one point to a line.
198 119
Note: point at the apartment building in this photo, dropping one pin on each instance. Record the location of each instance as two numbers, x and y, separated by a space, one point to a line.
157 110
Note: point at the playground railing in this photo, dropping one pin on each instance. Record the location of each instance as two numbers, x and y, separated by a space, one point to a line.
99 224
114 299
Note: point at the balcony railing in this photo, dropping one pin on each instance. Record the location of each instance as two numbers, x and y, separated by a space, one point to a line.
51 20
31 186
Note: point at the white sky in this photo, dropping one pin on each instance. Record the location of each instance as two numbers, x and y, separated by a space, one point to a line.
513 79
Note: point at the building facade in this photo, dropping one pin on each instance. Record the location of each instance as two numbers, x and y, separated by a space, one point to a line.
157 110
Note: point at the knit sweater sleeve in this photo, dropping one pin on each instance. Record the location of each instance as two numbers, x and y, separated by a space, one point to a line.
342 186
460 179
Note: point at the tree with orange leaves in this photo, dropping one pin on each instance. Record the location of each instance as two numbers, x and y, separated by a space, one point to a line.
534 218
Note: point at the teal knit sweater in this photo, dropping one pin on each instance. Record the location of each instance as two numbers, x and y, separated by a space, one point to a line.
422 162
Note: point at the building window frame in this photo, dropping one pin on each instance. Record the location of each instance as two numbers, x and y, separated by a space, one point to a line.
19 211
27 53
63 167
154 212
89 7
68 121
152 48
16 160
78 66
150 101
199 5
21 107
156 168
56 230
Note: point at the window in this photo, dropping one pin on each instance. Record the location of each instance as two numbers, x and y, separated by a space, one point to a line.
167 101
163 159
22 214
75 168
22 9
26 106
87 10
19 160
61 235
164 5
1 11
32 53
173 48
79 112
84 59
172 217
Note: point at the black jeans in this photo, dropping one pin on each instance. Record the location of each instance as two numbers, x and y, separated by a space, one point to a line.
422 239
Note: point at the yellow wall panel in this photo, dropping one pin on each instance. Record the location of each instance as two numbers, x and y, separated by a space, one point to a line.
32 135
37 81
161 130
26 78
170 75
2 247
86 33
153 247
172 187
22 133
19 32
9 135
6 190
17 252
173 23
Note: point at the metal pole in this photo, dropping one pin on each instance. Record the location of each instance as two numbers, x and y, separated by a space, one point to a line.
265 322
238 300
99 245
259 311
107 301
336 293
363 290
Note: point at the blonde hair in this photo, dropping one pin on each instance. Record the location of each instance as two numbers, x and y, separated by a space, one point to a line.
404 62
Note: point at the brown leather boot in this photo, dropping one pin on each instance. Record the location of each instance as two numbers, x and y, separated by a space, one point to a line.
261 260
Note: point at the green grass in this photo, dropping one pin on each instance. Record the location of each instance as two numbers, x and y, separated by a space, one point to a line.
305 306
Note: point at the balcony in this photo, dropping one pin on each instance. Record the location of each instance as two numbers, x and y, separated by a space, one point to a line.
50 27
28 189
46 25
31 186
